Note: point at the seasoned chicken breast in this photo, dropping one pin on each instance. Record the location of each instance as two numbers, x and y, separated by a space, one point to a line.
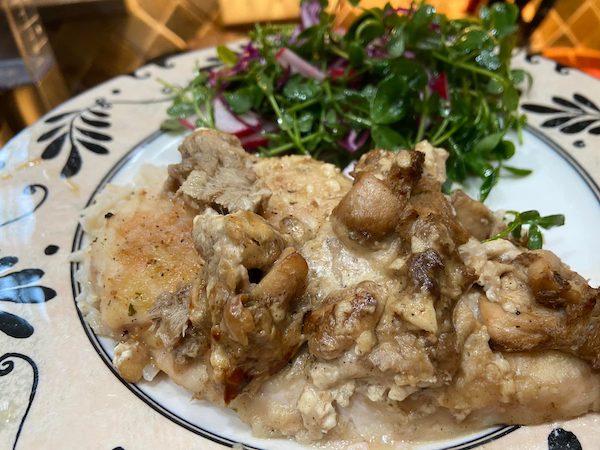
326 309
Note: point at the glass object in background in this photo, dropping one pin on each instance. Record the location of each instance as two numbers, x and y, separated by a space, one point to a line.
570 34
29 75
34 48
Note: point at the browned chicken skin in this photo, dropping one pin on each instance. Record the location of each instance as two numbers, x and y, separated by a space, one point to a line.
317 302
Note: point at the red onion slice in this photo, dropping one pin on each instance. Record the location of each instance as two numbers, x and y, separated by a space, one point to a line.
288 58
226 121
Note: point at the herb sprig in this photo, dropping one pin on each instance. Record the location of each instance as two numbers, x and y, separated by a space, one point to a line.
393 78
525 228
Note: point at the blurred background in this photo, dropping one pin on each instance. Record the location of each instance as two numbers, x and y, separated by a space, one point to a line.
51 50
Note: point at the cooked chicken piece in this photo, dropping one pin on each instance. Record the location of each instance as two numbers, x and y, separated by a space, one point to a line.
395 228
475 217
305 190
256 328
409 166
216 171
493 387
341 321
537 303
143 248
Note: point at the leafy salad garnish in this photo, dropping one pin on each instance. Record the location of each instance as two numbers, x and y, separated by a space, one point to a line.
524 228
393 77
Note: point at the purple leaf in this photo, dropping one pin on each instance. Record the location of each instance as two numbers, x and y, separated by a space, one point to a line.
310 11
353 142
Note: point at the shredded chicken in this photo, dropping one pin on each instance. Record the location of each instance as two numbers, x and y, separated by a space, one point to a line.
324 309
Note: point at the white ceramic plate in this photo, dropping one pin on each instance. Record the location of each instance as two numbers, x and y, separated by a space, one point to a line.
58 389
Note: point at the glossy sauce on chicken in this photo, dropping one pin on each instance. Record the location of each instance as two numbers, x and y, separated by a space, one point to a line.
326 310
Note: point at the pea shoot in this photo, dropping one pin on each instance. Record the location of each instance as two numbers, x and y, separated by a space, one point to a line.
524 228
394 77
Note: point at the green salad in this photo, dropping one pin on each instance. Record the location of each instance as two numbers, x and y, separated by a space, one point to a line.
392 78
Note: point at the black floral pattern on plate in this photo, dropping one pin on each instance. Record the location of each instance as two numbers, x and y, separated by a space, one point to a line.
85 128
569 116
560 439
30 190
20 286
77 128
7 365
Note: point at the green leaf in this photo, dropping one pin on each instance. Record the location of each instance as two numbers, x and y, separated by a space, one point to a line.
369 29
473 40
501 17
226 55
411 72
171 125
286 122
477 164
511 98
397 42
447 187
488 60
181 110
388 139
300 89
389 103
504 150
534 221
488 183
356 54
422 18
534 238
555 220
240 101
517 231
354 2
305 122
265 82
488 143
494 87
200 94
517 171
518 76
529 216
